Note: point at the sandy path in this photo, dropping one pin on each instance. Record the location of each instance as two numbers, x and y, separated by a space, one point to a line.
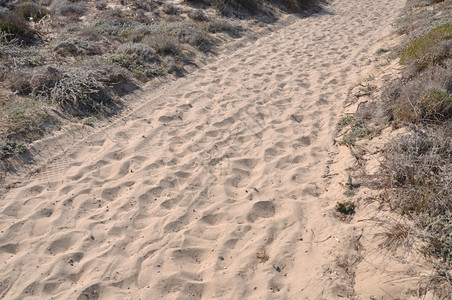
176 200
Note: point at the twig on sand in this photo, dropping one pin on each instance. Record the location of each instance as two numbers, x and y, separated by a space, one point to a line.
324 240
296 119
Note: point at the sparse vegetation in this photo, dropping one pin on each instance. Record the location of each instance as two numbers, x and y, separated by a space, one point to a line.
418 164
80 57
416 169
225 6
358 129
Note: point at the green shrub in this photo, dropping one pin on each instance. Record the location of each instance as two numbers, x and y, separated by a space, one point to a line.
12 24
28 9
359 129
346 207
423 45
421 96
10 148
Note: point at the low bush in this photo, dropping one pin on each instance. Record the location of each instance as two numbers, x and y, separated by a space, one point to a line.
422 97
10 148
22 118
28 9
81 91
422 46
253 5
359 129
139 59
33 81
170 9
67 8
163 44
198 15
15 26
137 52
167 37
113 26
419 164
75 47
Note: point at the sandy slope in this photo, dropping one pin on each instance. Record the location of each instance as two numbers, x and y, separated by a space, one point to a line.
176 199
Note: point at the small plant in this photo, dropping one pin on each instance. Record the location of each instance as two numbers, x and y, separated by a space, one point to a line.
358 130
10 148
346 207
368 88
345 121
349 193
396 234
382 51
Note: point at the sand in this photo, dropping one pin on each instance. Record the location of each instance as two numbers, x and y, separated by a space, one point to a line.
218 185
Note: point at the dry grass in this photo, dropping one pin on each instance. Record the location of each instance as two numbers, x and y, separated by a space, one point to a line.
226 6
22 118
417 165
396 235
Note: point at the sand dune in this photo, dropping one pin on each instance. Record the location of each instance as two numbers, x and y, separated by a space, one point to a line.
213 187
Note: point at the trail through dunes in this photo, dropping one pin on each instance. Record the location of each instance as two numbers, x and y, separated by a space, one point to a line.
213 187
